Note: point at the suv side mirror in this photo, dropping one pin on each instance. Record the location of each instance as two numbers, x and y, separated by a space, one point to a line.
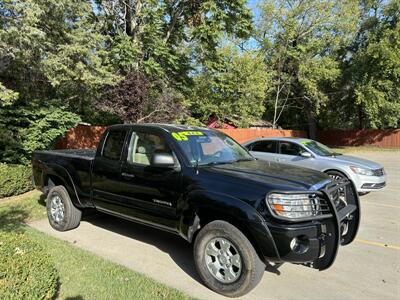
162 160
306 154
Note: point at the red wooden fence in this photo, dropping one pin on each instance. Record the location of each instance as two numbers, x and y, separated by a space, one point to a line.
86 137
389 138
81 137
245 134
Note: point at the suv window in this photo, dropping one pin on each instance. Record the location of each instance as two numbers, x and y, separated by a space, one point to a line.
289 148
114 144
264 146
143 145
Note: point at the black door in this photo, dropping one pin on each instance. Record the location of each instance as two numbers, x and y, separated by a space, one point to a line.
149 193
106 173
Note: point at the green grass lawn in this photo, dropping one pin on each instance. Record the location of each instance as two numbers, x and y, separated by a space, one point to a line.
82 275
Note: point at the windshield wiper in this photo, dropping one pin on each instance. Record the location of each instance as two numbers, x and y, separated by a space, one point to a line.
213 163
244 159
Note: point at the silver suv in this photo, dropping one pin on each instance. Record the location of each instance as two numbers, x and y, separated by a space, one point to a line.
365 174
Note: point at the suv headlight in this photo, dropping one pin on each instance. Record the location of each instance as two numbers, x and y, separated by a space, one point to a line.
362 171
296 206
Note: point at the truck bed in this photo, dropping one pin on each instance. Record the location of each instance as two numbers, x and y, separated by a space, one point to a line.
73 166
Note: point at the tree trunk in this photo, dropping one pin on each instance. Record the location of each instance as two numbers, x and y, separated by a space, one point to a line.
312 125
360 117
128 19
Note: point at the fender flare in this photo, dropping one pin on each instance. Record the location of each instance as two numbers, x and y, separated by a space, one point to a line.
209 205
63 174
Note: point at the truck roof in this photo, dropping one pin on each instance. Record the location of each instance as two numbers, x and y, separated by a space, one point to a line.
166 127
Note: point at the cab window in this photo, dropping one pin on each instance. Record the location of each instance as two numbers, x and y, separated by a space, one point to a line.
289 148
113 145
264 146
142 146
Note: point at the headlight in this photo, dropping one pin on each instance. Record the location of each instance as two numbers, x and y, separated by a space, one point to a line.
296 206
362 171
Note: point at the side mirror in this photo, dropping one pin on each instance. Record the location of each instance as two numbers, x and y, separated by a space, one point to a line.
306 154
162 160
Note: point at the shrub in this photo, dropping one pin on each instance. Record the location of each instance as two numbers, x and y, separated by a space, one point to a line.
26 270
14 179
24 129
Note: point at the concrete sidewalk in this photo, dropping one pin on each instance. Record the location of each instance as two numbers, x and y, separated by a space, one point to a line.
365 269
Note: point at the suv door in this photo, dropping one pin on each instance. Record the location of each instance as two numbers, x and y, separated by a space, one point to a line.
290 153
149 193
264 150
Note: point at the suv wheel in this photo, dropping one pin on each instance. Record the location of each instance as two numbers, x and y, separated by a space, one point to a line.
62 214
226 261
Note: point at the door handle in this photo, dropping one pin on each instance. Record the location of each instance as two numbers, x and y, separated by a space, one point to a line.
128 175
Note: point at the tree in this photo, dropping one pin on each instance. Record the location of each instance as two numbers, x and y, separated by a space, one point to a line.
161 38
232 87
52 50
52 64
300 41
135 99
375 69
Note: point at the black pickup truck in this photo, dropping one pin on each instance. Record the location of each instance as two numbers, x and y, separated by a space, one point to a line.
240 213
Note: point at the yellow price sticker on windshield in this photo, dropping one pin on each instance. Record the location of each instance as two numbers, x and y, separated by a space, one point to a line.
183 135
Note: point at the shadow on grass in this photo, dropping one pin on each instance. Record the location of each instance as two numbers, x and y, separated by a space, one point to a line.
12 219
74 298
42 200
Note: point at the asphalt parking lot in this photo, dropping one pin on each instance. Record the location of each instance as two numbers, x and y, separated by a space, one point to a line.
369 268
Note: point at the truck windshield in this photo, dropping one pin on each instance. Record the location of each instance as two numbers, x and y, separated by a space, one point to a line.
319 148
210 148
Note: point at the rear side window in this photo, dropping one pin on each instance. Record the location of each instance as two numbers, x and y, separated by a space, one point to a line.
290 148
114 144
264 146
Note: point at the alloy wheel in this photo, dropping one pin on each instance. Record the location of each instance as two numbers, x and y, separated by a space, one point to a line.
223 260
57 208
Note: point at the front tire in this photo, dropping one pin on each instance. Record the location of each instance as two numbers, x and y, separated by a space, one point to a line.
61 212
226 260
336 175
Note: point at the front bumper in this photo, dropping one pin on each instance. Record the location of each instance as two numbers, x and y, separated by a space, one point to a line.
366 184
315 243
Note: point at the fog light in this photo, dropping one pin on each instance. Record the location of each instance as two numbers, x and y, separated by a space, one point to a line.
299 244
295 244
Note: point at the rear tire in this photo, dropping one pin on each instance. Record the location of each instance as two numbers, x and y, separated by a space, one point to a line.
226 260
61 212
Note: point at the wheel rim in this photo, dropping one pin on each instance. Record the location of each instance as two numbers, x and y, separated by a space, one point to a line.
223 260
335 176
57 208
342 194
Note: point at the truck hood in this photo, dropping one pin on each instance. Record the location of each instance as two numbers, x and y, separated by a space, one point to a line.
356 161
275 175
